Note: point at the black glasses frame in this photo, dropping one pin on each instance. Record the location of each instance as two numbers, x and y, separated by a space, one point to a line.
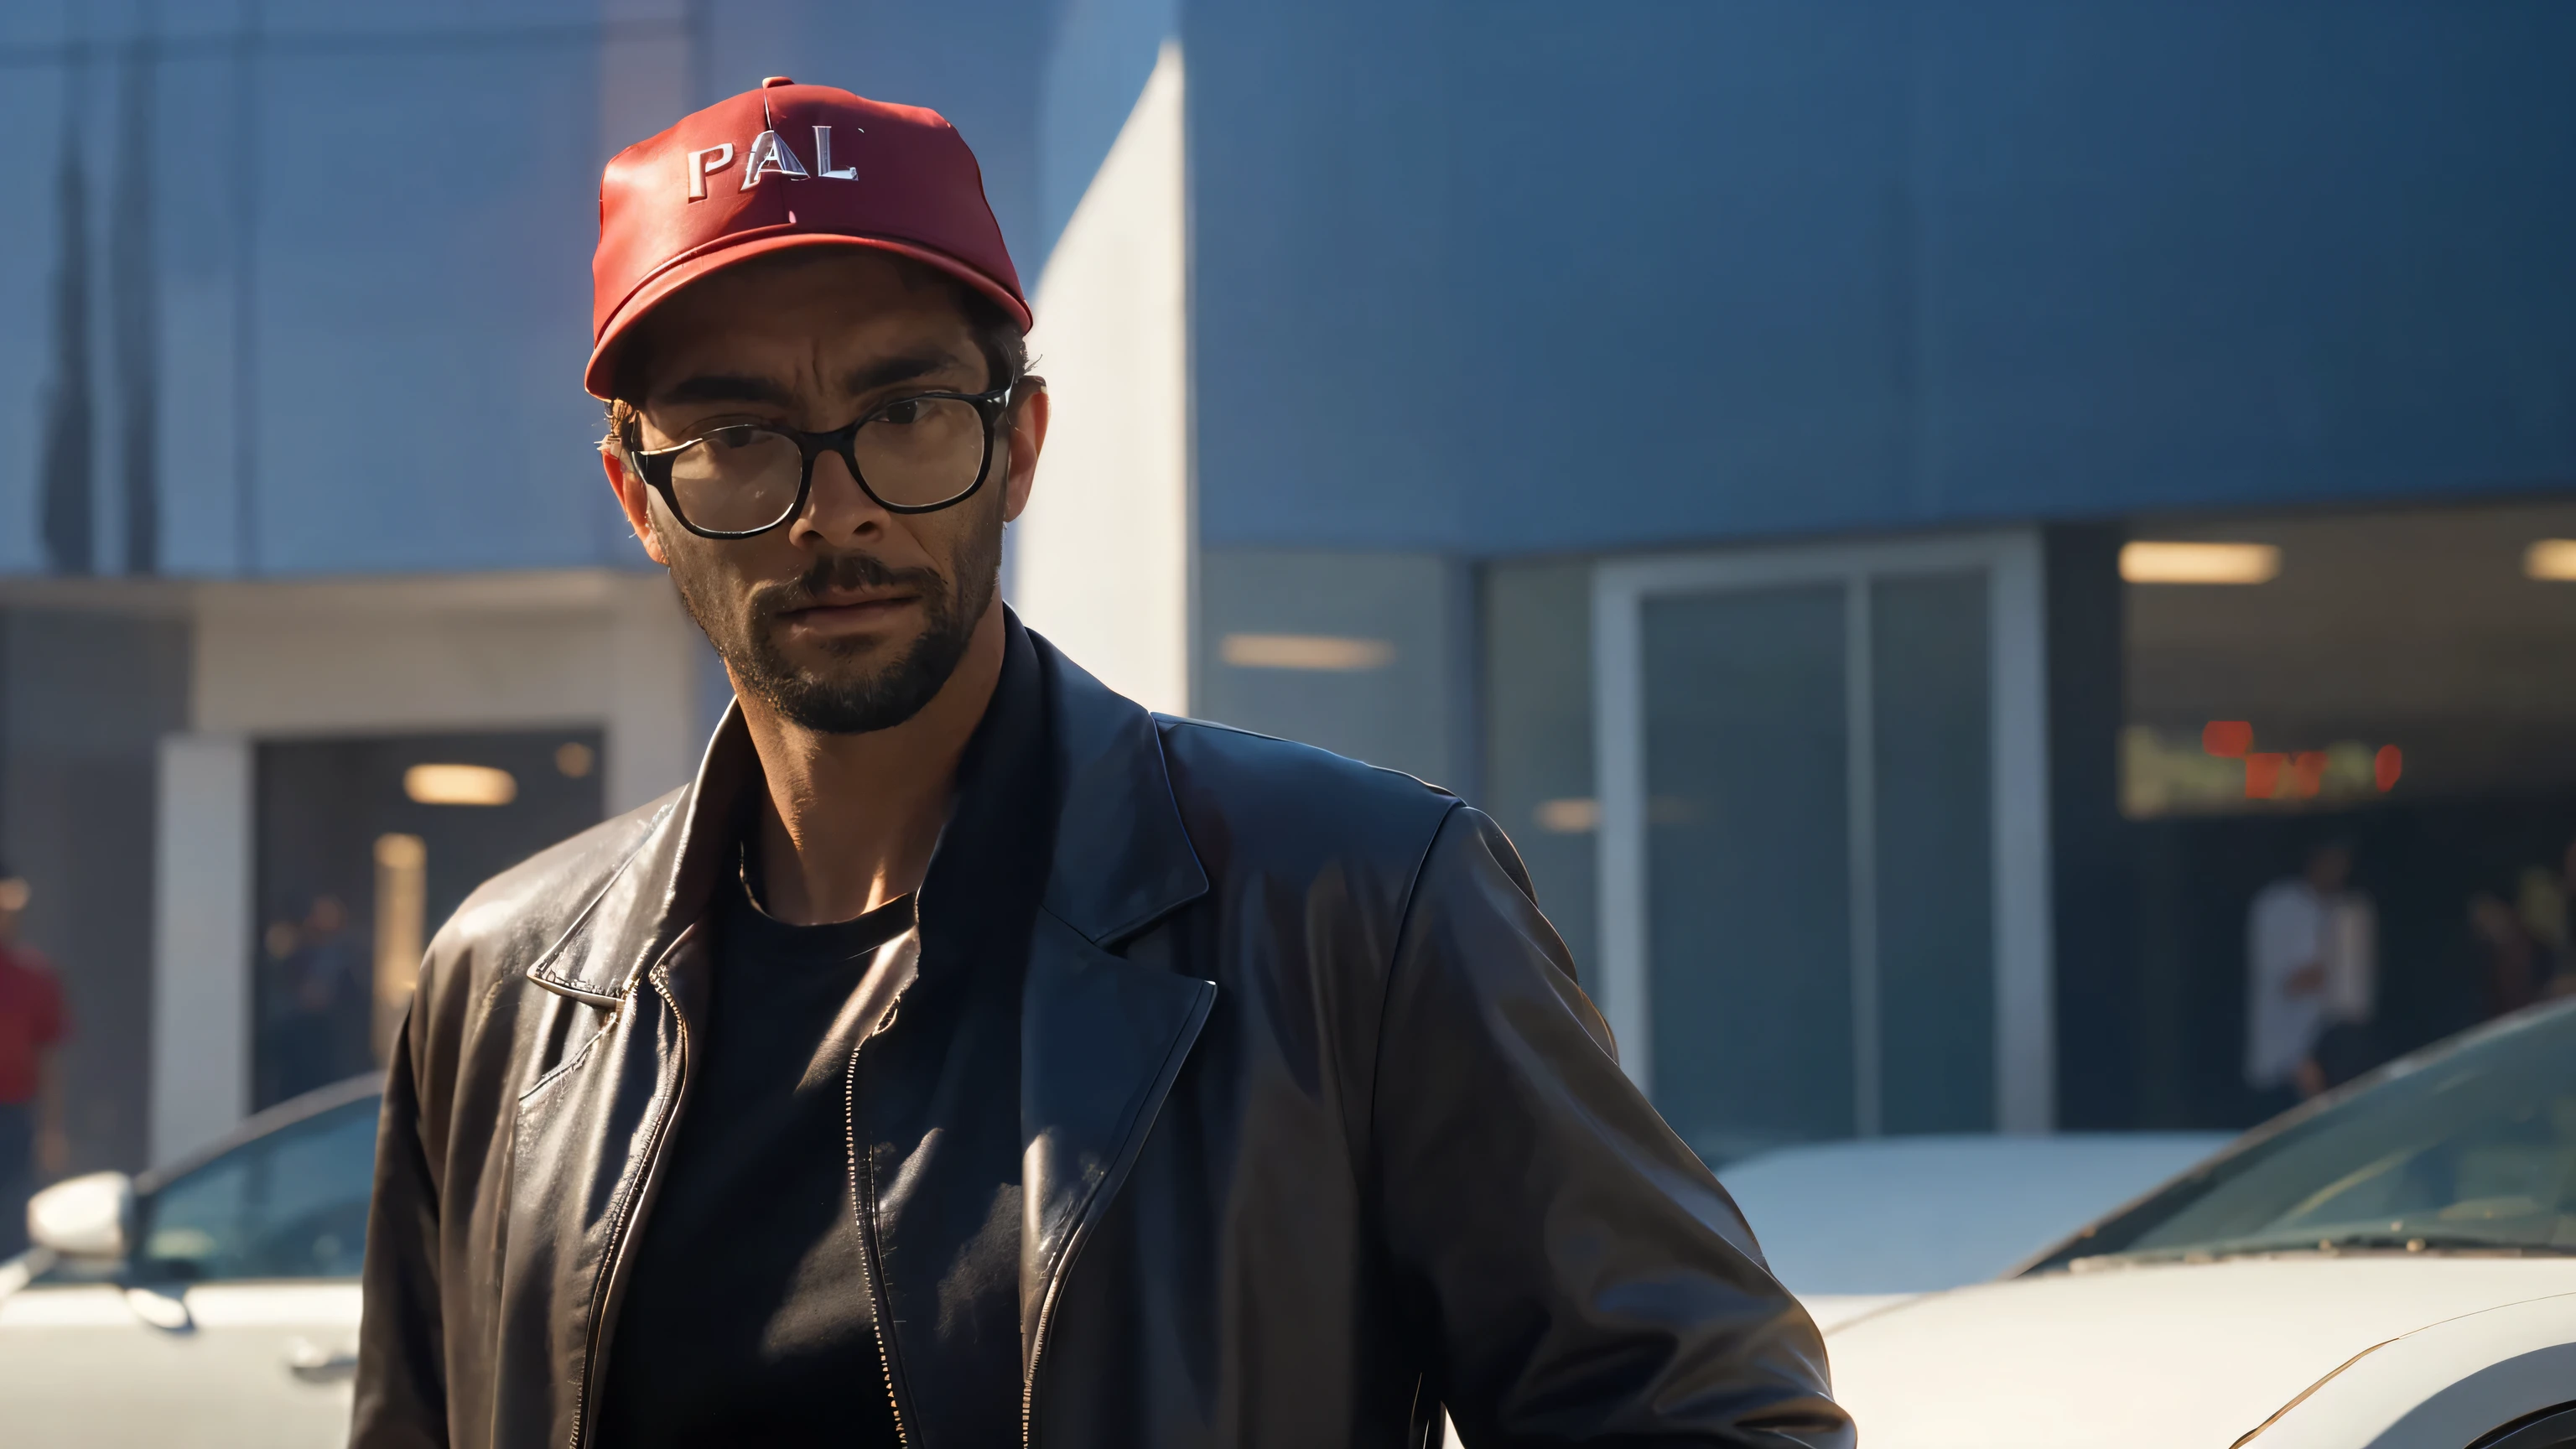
654 466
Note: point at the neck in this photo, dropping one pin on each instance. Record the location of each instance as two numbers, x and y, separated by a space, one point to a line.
849 821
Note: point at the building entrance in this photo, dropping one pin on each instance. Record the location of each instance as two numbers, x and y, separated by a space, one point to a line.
2399 684
365 846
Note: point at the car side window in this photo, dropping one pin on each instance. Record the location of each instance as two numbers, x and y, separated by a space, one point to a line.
292 1204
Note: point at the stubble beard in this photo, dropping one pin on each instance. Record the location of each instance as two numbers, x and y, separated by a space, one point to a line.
857 701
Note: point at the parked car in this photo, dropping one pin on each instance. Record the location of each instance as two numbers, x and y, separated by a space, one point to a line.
208 1305
2391 1267
1852 1227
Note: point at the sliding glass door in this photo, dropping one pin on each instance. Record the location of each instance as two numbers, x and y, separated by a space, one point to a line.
1822 846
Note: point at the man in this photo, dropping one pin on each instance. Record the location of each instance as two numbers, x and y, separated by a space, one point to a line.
2310 982
966 1056
33 1144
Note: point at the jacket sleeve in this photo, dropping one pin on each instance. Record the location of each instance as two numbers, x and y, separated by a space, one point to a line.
1586 1279
402 1381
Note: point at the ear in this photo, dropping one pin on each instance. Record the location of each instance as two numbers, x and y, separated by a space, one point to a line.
1028 439
637 500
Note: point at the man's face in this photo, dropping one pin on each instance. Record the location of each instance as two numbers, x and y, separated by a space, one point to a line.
847 618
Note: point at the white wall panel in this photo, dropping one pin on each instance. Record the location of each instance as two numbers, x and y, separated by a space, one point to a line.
201 1027
1101 562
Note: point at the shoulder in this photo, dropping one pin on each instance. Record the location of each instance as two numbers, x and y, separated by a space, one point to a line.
1228 772
1274 809
516 916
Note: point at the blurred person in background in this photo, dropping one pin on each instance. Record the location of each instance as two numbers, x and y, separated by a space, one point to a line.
33 1144
2545 901
2511 962
322 1004
2524 945
2312 980
968 1056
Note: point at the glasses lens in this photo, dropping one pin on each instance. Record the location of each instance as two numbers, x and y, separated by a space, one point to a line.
736 480
921 451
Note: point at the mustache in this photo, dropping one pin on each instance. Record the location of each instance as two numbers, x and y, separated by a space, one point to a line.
843 572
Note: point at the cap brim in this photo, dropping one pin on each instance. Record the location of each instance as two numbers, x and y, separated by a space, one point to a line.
659 288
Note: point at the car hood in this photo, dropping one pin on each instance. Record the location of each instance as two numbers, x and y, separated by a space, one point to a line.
2168 1356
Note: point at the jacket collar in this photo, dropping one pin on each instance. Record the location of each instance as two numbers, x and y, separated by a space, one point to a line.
1122 858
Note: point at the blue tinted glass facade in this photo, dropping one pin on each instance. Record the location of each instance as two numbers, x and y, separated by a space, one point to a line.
1536 278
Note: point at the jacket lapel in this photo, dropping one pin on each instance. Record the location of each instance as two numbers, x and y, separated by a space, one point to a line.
663 887
588 1134
1101 1042
1102 1037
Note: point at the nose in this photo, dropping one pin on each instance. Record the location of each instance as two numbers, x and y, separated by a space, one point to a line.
837 509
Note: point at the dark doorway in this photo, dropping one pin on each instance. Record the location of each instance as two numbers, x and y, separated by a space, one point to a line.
365 846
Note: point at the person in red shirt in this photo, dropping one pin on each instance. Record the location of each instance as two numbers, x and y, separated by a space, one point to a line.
32 1025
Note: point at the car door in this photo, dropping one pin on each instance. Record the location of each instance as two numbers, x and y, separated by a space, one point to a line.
235 1322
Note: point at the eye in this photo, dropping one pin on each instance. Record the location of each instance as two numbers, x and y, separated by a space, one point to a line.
901 413
734 438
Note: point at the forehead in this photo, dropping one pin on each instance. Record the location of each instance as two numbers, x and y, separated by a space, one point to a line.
825 310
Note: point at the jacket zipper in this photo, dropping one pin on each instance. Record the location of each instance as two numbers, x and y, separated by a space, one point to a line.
595 1345
862 1198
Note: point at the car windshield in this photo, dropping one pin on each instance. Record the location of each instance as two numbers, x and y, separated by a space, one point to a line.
2468 1147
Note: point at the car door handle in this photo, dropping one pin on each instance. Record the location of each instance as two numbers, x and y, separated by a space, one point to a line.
312 1363
167 1311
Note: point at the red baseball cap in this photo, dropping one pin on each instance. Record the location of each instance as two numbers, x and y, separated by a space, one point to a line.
787 166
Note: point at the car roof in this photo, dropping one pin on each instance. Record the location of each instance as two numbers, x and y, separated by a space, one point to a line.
284 1114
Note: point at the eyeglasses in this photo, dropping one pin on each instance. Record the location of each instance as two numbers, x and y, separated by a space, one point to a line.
917 454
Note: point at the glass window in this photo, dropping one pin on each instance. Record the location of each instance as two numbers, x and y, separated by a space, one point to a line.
1537 664
1362 654
292 1204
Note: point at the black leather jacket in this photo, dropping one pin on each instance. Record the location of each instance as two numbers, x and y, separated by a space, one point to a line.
1316 1134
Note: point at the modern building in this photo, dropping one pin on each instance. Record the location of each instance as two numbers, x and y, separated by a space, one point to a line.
1909 513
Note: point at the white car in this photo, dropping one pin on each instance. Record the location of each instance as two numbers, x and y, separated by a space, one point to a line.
2393 1267
1852 1227
209 1305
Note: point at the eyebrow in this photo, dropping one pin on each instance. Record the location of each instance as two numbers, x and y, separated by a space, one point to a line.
723 387
886 371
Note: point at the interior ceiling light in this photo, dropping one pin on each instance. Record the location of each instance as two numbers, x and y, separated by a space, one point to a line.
459 785
2199 563
1571 816
1329 652
2553 559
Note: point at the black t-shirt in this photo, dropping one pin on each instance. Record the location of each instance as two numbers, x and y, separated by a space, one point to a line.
747 1317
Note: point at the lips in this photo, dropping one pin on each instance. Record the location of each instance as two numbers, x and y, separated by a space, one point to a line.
857 607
